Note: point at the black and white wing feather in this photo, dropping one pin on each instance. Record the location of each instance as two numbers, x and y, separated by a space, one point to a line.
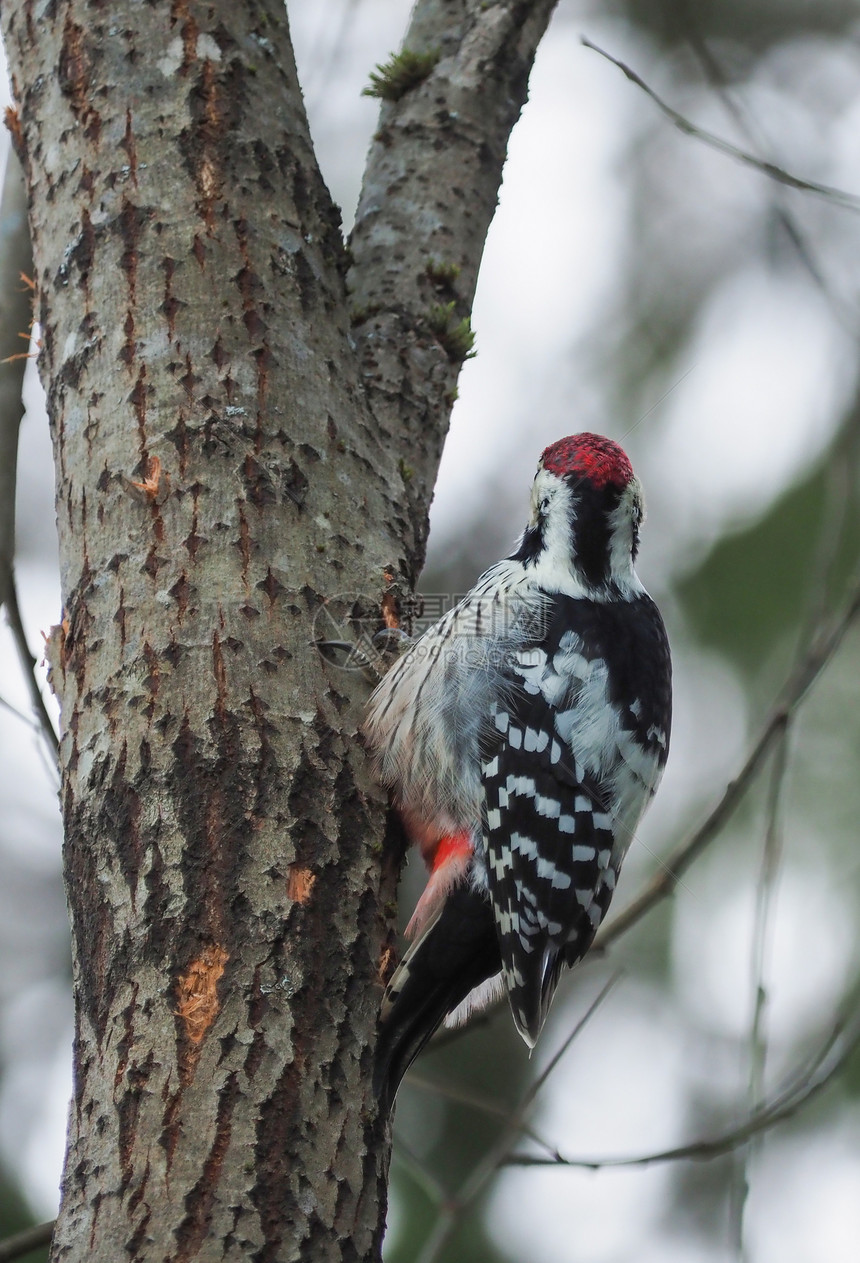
566 772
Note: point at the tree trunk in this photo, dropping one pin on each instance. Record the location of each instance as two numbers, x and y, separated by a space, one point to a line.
231 460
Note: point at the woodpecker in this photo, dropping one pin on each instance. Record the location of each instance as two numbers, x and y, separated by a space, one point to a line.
522 737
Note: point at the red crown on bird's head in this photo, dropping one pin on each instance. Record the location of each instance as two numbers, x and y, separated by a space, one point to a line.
588 456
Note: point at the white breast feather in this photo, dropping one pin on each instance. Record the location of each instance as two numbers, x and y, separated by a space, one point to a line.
426 715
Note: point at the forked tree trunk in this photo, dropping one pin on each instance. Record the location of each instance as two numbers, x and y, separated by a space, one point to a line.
231 459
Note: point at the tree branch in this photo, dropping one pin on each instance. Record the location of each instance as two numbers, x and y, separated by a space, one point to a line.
848 201
843 310
23 1243
429 194
44 722
803 1087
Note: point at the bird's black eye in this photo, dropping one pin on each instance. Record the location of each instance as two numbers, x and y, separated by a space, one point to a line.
543 506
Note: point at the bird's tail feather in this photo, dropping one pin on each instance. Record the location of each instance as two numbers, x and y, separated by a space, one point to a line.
455 953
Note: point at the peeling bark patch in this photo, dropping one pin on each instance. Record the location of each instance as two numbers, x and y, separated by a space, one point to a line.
133 1203
390 611
189 380
266 770
249 286
300 883
75 72
353 820
139 1236
179 11
313 848
387 961
263 356
152 564
306 278
126 1040
200 1201
215 102
197 992
152 479
12 119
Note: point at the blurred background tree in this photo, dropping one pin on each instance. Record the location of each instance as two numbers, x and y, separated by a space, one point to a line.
642 284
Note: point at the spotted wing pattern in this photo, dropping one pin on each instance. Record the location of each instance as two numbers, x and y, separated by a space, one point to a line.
566 773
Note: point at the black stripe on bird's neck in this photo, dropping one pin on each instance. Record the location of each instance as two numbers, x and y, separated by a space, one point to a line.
530 545
591 532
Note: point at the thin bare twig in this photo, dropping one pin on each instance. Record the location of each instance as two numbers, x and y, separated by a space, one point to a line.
424 1178
845 313
771 856
839 197
803 1087
23 1243
19 714
476 1101
573 1034
765 898
453 1208
28 666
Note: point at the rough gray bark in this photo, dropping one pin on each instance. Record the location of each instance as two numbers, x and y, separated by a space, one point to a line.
429 193
229 460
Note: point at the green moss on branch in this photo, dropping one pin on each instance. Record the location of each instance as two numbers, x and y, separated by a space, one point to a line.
403 71
455 336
